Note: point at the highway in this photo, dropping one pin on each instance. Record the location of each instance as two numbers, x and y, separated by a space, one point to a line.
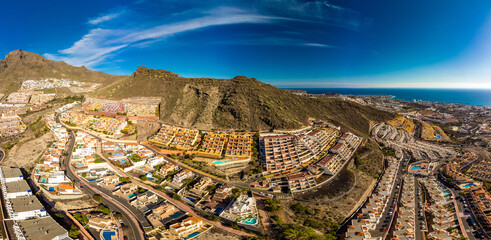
129 218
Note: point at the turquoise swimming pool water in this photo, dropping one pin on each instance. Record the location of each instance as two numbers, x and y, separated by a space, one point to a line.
131 195
176 215
108 234
250 221
219 161
468 185
415 168
193 234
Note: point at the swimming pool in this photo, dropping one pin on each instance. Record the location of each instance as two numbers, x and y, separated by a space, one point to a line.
132 195
468 185
218 210
220 161
250 221
107 235
176 215
193 234
415 168
191 199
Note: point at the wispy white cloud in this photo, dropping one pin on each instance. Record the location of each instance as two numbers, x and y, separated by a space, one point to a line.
322 45
105 18
99 44
317 11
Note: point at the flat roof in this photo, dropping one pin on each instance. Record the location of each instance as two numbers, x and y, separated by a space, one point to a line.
9 172
24 204
41 229
20 186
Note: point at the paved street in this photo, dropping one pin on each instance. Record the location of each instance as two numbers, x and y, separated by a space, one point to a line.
387 218
107 200
419 219
460 211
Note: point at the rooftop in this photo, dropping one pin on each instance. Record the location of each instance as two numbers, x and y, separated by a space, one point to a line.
41 229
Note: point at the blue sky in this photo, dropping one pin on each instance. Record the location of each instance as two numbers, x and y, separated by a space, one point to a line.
288 43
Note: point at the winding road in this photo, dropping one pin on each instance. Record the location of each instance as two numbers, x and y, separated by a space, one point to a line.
127 213
129 218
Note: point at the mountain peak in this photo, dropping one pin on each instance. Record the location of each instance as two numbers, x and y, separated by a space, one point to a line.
20 65
21 54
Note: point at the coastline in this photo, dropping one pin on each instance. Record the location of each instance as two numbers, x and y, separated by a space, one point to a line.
474 97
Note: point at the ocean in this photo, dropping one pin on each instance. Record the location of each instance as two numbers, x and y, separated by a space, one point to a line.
476 97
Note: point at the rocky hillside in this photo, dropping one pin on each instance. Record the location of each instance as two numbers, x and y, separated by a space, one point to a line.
239 103
20 65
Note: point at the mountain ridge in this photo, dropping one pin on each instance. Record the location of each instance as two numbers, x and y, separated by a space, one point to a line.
20 65
207 103
237 103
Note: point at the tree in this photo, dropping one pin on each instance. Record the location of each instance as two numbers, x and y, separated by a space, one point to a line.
272 204
125 179
358 161
276 218
97 197
236 192
176 197
73 232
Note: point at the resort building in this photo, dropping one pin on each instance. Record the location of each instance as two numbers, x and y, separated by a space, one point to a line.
443 217
331 164
40 229
480 204
239 146
279 153
405 226
369 216
22 208
9 174
242 210
185 138
19 97
110 182
212 145
100 221
17 189
178 179
165 135
186 227
301 181
11 125
144 201
200 188
167 168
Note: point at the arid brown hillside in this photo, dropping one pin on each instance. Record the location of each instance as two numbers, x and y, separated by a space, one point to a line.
20 65
238 103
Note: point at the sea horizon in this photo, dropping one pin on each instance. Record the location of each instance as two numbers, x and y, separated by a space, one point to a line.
475 97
